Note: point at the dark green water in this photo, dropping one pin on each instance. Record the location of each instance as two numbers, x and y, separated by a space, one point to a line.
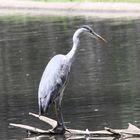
104 85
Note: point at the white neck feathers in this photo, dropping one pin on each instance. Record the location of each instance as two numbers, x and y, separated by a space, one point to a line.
76 42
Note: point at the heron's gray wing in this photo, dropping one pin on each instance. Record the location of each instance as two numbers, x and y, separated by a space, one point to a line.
60 82
53 81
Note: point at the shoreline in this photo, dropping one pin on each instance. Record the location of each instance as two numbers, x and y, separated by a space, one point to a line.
85 9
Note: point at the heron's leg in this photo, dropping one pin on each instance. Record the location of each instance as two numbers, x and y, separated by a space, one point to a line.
60 128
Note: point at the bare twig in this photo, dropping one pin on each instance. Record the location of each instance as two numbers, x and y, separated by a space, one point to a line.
113 131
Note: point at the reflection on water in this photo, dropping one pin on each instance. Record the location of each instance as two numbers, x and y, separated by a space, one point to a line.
103 89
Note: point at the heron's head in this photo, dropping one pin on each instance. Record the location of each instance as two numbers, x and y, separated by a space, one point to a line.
89 30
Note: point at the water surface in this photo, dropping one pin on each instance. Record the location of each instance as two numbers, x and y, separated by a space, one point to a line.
103 88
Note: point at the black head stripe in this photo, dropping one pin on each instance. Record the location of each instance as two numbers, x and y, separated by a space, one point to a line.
87 28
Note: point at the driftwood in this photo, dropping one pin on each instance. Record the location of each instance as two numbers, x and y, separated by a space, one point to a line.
131 132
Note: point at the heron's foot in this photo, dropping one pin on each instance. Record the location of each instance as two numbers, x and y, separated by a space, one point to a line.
59 129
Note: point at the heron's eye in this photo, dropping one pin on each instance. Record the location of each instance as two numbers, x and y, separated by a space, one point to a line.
90 31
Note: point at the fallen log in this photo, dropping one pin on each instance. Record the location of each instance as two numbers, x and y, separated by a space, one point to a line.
131 131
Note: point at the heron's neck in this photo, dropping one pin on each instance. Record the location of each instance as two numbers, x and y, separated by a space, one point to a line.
76 43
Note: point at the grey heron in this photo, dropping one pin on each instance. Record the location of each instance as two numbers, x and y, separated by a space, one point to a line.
55 78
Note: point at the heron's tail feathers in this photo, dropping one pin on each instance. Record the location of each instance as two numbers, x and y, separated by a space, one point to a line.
43 107
41 111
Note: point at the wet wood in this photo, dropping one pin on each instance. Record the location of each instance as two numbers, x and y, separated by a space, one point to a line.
131 131
50 121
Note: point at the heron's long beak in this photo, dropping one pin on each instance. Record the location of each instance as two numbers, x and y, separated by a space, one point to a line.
99 38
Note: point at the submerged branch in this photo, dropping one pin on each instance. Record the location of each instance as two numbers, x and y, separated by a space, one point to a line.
30 128
132 130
